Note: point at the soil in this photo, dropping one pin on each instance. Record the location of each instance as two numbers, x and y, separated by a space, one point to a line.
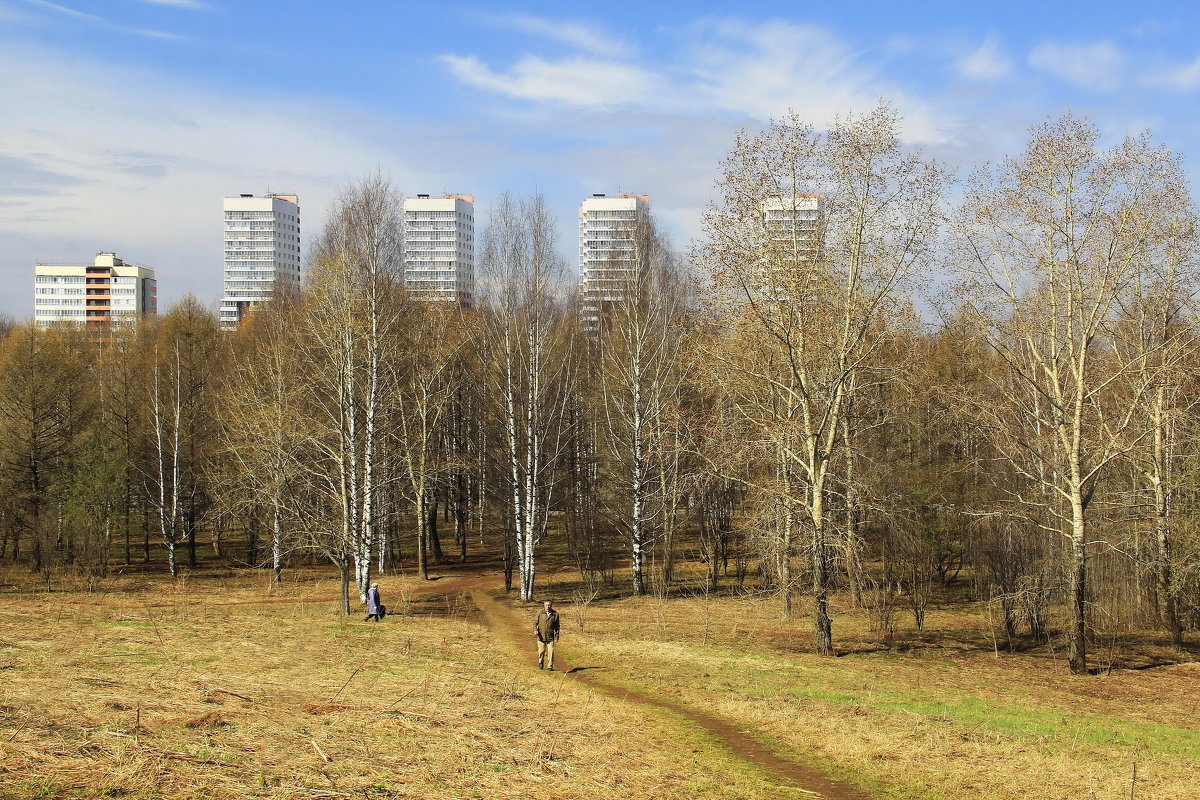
742 744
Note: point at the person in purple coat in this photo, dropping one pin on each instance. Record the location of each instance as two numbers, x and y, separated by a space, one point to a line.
375 609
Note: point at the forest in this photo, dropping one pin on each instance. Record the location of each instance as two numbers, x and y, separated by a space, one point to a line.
979 382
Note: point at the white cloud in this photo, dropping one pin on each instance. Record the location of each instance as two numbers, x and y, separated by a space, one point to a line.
987 63
574 34
590 83
1183 78
760 71
1090 66
99 20
764 70
106 157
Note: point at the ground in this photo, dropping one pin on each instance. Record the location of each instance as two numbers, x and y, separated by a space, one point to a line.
220 685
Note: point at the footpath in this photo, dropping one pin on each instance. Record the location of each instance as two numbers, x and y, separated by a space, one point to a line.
501 619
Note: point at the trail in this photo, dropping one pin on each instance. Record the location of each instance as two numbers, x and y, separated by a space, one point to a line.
470 579
742 744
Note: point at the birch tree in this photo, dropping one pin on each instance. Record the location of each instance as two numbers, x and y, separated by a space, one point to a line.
1052 240
524 361
425 385
354 308
261 436
183 363
638 346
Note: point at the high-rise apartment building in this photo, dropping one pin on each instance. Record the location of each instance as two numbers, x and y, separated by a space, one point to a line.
106 291
607 247
262 252
439 247
793 224
793 228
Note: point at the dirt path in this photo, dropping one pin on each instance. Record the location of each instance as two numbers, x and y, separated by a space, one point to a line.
742 744
471 579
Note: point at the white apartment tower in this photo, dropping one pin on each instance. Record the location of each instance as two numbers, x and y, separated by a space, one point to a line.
439 247
793 237
606 251
262 251
106 291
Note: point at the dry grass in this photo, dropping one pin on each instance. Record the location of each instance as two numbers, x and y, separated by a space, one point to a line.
944 717
220 687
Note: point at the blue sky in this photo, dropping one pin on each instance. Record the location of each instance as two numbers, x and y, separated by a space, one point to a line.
123 123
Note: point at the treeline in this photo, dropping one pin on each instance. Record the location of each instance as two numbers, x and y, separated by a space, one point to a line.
771 411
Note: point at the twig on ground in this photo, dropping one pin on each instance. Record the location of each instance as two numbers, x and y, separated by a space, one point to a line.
320 752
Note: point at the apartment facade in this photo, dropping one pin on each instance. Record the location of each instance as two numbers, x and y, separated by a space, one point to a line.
439 247
793 236
107 291
607 249
262 252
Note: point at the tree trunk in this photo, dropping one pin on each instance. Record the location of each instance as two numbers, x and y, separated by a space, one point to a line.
785 562
435 542
276 546
422 550
1078 632
344 577
191 535
822 624
252 542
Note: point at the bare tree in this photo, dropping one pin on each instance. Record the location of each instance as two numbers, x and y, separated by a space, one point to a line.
812 247
1051 242
425 382
354 308
637 348
183 366
523 356
261 438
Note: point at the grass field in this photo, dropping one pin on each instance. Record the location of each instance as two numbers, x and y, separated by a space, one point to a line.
218 685
940 718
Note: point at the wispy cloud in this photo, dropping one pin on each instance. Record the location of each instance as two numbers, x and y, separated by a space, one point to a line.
760 71
590 83
1088 66
578 35
95 155
99 20
988 62
1182 78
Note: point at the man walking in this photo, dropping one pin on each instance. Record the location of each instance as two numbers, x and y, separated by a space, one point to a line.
545 628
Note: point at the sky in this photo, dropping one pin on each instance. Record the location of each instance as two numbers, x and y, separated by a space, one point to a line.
123 123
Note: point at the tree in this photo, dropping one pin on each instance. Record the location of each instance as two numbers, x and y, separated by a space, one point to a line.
262 442
44 400
182 421
426 379
353 309
1157 327
523 357
1051 242
637 351
811 248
